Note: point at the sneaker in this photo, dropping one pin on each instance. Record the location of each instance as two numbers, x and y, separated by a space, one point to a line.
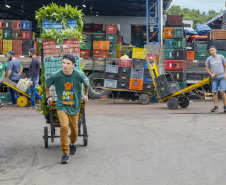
65 159
32 107
73 150
1 105
10 103
225 108
215 109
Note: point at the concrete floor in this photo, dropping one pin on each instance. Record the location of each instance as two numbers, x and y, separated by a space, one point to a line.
129 144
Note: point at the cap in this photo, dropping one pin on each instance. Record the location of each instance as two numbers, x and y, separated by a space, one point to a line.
70 57
12 53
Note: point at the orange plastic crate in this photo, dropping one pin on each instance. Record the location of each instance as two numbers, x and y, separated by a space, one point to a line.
118 53
168 32
218 34
105 45
190 55
136 84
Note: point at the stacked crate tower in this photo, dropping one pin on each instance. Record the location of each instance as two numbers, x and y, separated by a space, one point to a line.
175 49
137 36
119 46
111 36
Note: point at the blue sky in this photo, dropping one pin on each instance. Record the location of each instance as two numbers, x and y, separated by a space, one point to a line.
202 5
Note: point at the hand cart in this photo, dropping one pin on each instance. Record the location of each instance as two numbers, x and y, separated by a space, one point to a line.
24 99
178 98
53 120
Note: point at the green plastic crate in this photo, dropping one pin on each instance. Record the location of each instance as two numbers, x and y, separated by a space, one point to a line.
221 52
86 45
7 34
113 45
178 32
183 84
111 37
99 37
169 43
113 54
201 55
169 53
180 43
5 98
201 47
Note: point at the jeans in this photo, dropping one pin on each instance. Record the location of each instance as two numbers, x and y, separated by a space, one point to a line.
34 93
1 81
218 84
14 93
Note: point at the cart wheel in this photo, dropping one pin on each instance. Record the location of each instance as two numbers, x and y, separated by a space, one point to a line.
183 101
144 99
85 141
45 137
22 101
172 103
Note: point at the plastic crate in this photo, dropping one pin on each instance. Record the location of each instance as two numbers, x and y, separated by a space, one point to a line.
173 87
201 55
146 65
180 65
16 35
18 47
113 46
112 76
119 46
150 58
125 63
219 44
99 37
218 34
178 32
1 34
112 54
99 53
138 63
163 79
162 91
5 97
87 26
105 45
222 52
179 76
111 68
118 54
183 84
136 84
193 76
169 54
110 83
168 32
97 27
1 24
190 55
123 78
169 65
124 70
26 25
25 35
7 34
148 87
0 46
137 73
137 28
119 38
169 43
8 24
148 79
138 53
7 46
112 29
72 23
180 43
123 85
138 35
111 37
27 45
175 20
201 47
87 37
180 54
16 25
86 45
85 53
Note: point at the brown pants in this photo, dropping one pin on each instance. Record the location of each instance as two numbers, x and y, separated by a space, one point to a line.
67 121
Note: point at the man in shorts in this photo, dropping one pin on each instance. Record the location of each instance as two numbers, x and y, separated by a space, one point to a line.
216 67
68 85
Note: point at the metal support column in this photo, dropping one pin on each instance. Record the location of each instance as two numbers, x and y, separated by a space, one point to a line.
154 20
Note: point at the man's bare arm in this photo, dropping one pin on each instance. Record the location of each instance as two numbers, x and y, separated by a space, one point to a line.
9 73
21 70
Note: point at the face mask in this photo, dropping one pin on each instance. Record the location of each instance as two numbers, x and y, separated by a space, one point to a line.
10 58
30 56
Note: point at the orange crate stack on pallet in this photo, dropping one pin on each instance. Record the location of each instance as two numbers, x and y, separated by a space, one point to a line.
190 55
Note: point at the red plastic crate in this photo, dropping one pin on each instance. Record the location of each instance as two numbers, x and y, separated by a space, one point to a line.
169 65
87 31
97 27
37 48
119 38
125 63
151 59
136 84
25 35
18 47
190 55
137 28
1 24
180 65
16 25
175 20
99 53
85 53
112 29
0 45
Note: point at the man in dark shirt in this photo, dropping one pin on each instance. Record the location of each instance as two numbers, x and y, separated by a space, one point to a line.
13 74
34 70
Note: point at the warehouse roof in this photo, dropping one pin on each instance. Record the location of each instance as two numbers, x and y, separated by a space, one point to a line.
25 9
216 22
